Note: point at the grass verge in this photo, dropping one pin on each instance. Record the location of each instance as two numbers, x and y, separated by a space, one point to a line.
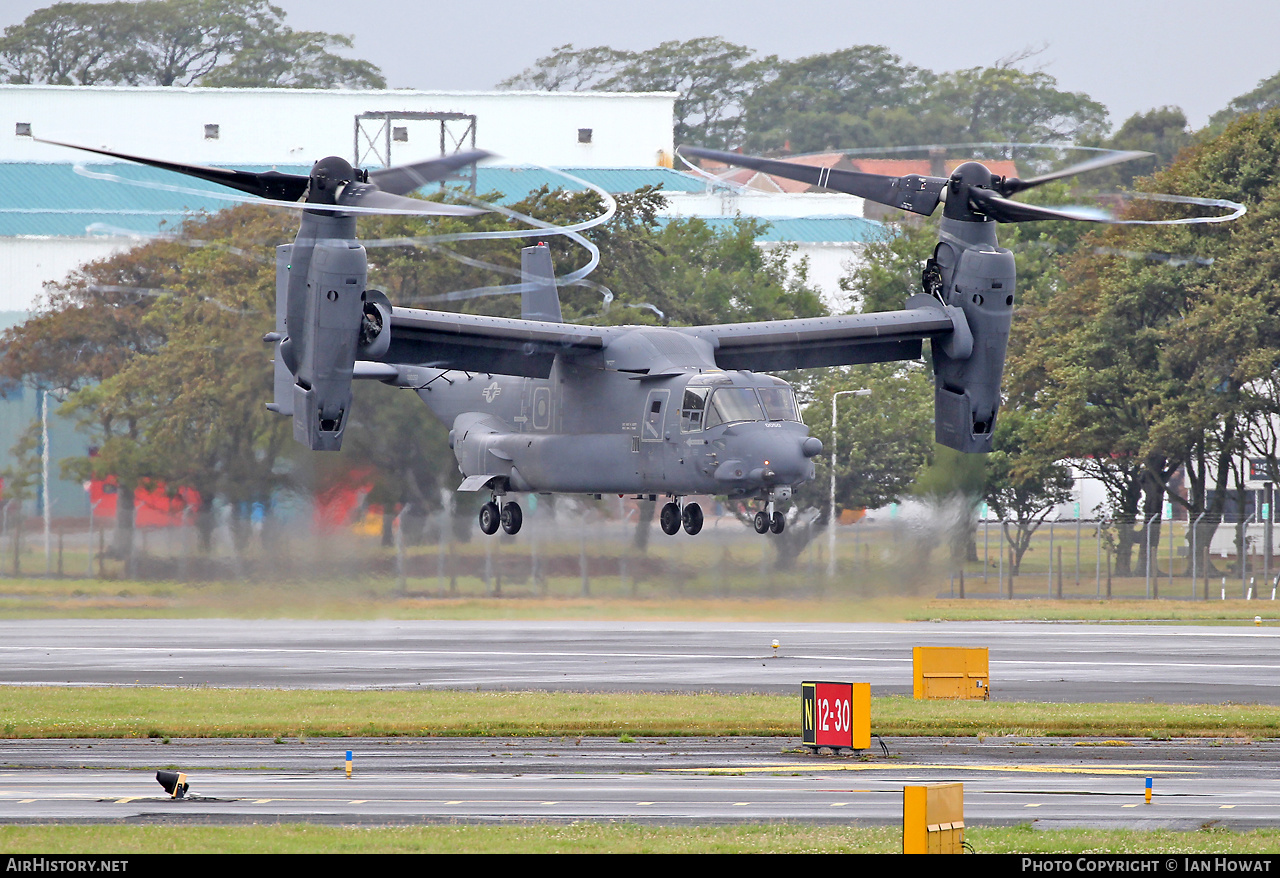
611 600
146 712
613 838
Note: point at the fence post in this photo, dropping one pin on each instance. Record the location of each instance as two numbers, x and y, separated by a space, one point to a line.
1244 553
1195 554
1050 590
1077 549
1147 553
1097 570
1000 555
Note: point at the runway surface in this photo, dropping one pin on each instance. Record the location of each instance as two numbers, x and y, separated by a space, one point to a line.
1049 782
1029 661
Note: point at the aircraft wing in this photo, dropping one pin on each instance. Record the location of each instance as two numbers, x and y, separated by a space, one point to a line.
473 343
836 341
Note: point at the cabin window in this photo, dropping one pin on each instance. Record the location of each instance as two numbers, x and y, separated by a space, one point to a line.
693 409
652 431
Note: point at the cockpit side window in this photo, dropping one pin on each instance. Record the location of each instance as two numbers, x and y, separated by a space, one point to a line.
779 403
730 404
693 409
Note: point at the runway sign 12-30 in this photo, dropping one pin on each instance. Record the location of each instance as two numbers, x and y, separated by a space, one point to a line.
836 714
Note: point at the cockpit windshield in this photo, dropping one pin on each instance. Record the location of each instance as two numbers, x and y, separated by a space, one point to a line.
730 404
779 403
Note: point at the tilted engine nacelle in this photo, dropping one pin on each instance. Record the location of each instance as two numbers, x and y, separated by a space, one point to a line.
980 282
325 321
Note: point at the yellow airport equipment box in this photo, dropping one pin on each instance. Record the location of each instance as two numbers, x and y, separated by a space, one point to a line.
951 672
835 715
933 819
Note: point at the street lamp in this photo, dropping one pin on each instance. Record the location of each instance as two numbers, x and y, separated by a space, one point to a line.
831 519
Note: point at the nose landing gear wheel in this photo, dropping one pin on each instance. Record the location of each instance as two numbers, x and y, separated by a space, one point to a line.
761 522
670 519
512 518
778 524
490 518
692 518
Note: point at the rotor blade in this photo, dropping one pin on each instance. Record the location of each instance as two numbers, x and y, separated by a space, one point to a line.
912 192
1005 211
403 179
371 199
1013 185
269 184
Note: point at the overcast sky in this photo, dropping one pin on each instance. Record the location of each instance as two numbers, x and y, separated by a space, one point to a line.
1127 54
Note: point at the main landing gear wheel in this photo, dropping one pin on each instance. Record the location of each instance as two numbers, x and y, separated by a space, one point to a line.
512 518
670 519
778 524
692 517
761 522
490 518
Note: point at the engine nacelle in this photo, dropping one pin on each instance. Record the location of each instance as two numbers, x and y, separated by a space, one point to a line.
325 319
980 281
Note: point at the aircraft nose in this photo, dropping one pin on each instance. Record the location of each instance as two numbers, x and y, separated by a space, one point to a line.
788 462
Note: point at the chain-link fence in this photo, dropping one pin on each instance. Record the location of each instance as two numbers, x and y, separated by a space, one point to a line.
615 546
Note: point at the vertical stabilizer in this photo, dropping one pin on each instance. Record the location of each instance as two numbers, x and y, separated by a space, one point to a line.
539 299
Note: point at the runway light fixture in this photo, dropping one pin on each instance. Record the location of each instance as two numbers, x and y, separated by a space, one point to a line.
174 783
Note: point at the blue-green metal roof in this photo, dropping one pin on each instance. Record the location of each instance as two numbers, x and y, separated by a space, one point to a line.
48 199
811 229
516 183
38 198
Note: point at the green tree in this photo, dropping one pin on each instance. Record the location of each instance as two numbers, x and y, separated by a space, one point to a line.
570 69
865 97
1266 96
1003 103
711 75
1144 366
1022 487
885 438
84 330
176 42
860 96
677 271
21 480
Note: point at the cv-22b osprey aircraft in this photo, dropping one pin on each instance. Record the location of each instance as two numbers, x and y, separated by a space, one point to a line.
539 405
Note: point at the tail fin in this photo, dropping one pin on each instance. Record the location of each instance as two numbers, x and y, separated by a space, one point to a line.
539 299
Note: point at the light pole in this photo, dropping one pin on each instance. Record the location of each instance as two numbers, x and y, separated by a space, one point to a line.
831 518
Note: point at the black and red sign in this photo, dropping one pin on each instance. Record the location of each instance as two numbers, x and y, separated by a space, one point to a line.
836 714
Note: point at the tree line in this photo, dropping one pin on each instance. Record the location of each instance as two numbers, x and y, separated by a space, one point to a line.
177 43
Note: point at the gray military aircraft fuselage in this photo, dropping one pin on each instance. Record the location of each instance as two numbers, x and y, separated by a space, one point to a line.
592 428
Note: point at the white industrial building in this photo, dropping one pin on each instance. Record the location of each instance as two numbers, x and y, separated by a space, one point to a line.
297 126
